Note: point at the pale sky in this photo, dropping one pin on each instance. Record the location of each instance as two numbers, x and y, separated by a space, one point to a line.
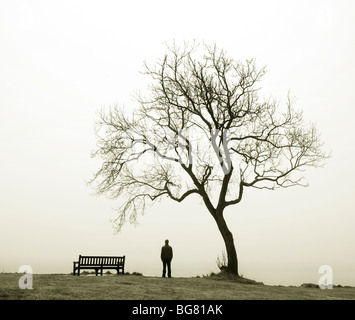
61 61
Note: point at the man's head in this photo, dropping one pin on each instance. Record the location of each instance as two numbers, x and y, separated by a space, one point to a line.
166 241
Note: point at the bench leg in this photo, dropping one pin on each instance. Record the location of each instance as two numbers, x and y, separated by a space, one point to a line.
75 267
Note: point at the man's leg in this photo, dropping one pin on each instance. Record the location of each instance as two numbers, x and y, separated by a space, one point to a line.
164 268
169 269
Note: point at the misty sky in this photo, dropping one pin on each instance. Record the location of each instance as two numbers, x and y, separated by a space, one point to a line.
61 61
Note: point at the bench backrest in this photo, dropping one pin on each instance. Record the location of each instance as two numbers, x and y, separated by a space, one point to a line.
98 261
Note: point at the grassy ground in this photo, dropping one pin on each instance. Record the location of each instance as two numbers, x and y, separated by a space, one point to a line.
135 287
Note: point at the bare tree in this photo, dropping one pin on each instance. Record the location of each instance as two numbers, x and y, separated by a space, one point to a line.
202 130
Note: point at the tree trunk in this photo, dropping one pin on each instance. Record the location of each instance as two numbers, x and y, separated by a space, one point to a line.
229 243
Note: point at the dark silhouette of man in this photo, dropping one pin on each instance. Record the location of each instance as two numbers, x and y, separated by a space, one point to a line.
166 256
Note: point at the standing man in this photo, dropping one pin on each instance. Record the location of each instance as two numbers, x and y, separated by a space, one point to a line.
166 256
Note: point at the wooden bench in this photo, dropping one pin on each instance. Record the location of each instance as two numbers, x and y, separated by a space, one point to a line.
99 263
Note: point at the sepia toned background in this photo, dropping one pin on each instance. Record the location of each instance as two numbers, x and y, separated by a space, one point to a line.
60 62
